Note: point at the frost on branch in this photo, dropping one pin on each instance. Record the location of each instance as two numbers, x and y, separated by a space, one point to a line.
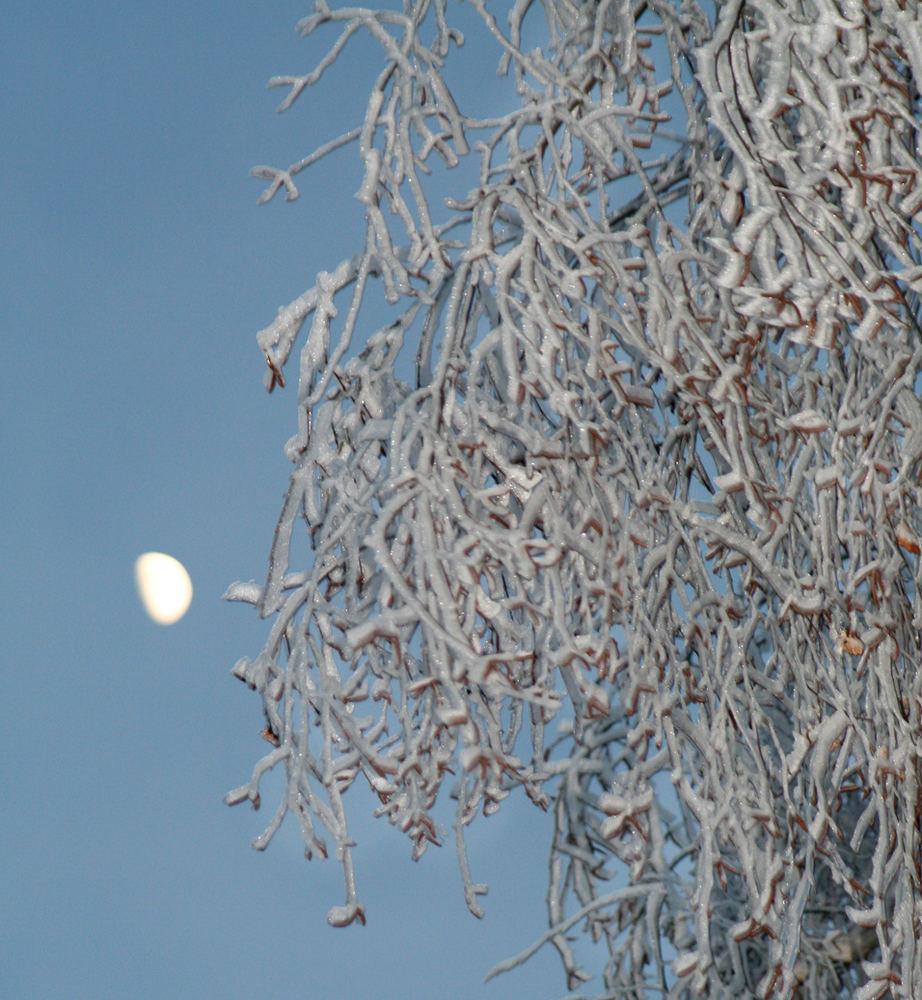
618 504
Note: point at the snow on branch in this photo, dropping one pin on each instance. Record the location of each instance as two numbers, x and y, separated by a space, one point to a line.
610 468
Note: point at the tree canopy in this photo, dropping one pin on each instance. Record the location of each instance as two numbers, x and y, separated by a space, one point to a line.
609 463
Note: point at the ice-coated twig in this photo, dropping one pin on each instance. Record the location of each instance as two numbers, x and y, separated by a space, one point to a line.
628 892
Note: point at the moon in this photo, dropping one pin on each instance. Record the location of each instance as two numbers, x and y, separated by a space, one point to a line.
163 586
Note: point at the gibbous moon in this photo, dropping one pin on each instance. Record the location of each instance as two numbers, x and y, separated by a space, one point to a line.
163 586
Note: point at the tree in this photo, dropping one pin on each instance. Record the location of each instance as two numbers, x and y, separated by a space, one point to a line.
619 503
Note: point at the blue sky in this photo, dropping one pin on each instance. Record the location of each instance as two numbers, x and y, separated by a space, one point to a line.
135 273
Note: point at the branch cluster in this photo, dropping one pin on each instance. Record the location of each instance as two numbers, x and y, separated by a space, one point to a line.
622 507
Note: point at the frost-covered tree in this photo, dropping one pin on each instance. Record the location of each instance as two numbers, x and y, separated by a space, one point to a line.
610 467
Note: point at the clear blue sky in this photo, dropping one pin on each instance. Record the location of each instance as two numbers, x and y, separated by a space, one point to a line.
136 269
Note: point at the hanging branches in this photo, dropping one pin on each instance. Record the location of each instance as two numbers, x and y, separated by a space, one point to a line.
620 505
